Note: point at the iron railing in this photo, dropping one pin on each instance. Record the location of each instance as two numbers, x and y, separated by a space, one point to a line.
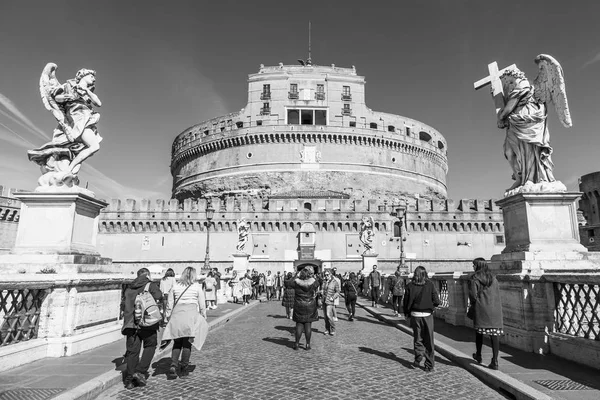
320 95
265 111
20 314
577 310
442 287
346 111
265 96
293 95
346 97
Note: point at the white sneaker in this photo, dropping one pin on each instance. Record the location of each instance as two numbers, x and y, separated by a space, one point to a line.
335 318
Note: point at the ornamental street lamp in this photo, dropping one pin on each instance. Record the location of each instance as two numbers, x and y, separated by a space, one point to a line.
210 212
400 209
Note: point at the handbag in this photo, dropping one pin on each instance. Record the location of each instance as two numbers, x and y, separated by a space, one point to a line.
471 311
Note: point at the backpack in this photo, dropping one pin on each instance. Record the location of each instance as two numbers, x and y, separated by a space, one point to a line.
399 287
146 312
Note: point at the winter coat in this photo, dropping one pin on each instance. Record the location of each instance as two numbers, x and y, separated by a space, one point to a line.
415 301
288 294
305 303
488 304
128 301
351 288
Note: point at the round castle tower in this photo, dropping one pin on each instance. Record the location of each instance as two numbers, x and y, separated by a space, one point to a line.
306 128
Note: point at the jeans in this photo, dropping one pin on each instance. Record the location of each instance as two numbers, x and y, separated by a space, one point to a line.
181 346
351 304
375 294
135 338
329 322
397 303
423 339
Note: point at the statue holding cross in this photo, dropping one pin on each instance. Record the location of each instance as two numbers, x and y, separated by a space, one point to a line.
521 109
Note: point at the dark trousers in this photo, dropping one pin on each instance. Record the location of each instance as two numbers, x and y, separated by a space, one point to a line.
181 346
351 304
397 303
375 294
135 338
423 339
328 314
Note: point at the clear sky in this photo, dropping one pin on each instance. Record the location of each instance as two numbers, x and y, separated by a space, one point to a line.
163 66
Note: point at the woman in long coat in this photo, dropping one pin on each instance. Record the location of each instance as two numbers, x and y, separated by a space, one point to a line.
305 286
484 295
288 296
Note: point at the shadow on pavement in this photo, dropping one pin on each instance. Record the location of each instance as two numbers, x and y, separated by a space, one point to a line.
371 320
289 329
388 355
280 341
161 367
277 316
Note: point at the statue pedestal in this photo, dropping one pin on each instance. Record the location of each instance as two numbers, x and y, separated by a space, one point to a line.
240 263
58 223
542 240
57 232
368 260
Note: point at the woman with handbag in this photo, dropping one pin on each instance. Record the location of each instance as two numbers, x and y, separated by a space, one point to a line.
305 287
186 311
485 309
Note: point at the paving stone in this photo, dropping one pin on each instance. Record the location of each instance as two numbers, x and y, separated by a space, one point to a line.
252 358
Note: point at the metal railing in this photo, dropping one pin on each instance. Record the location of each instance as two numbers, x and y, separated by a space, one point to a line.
346 111
442 287
265 96
346 97
577 310
265 111
320 96
20 314
293 95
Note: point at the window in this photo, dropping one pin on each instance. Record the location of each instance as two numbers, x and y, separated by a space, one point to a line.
306 117
320 94
266 93
239 124
353 124
346 93
259 123
391 128
320 88
293 117
346 110
307 207
407 131
293 94
320 117
266 110
424 136
499 239
373 125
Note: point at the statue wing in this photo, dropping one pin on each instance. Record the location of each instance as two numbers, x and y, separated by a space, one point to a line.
48 83
550 87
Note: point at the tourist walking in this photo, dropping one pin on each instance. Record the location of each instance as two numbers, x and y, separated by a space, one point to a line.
279 278
138 332
331 291
288 295
351 294
305 312
375 286
186 326
256 289
246 289
270 285
486 306
336 302
210 290
420 299
397 291
217 276
166 284
236 287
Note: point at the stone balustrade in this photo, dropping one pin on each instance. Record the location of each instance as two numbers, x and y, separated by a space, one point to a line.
556 313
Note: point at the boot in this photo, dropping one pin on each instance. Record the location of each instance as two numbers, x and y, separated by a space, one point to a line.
493 364
185 371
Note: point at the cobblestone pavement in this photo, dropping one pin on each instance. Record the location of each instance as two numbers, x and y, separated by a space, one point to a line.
252 358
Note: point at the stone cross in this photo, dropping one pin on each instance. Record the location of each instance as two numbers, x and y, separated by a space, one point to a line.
494 80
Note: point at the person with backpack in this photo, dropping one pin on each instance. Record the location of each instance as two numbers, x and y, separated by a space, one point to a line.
420 300
186 311
351 294
397 291
141 319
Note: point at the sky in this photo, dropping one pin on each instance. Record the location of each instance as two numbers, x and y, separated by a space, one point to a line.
163 66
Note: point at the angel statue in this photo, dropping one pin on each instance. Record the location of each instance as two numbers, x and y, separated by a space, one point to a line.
243 228
367 234
76 138
523 113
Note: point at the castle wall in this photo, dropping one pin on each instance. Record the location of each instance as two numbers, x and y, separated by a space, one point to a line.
589 205
10 209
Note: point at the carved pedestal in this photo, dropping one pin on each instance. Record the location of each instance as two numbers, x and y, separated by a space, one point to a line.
541 236
240 263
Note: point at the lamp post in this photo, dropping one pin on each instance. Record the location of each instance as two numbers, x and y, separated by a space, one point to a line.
400 209
210 212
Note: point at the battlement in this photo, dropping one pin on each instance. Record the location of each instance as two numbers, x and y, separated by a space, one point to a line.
232 204
6 191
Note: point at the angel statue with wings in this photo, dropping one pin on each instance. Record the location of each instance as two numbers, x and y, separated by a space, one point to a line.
243 228
76 138
523 113
367 234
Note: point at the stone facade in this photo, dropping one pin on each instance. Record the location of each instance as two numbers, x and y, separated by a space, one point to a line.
10 210
309 128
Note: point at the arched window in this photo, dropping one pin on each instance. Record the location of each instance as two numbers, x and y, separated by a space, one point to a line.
373 125
397 229
307 206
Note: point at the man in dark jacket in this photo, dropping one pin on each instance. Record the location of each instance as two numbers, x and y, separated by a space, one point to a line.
420 299
136 335
375 286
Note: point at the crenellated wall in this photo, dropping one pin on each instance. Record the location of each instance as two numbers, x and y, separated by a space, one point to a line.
10 209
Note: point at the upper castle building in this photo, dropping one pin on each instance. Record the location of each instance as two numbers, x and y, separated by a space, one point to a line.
308 128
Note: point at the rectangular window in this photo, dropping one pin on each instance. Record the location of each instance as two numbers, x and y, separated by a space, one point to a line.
347 107
293 117
346 91
499 239
266 88
320 88
293 87
306 117
266 105
320 117
353 124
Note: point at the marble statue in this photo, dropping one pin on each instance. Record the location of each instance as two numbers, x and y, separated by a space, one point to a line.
243 228
76 137
367 234
522 112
